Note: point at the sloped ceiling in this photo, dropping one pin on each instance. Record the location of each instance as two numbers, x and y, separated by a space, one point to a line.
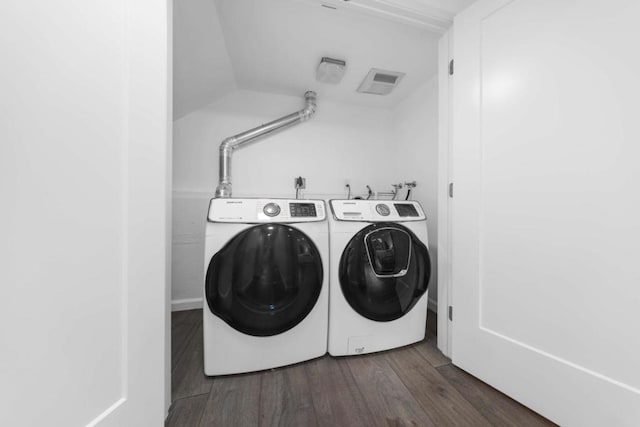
276 45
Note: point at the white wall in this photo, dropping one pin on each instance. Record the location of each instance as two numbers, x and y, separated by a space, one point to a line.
61 178
340 143
83 179
416 158
202 69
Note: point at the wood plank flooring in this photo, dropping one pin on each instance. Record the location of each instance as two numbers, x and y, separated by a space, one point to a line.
410 386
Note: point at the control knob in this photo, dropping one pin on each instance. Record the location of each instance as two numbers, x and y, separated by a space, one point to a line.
383 209
271 209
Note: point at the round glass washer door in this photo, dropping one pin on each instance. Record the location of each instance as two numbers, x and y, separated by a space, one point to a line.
383 271
265 280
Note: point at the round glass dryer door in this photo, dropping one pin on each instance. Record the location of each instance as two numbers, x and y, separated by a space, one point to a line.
265 281
384 270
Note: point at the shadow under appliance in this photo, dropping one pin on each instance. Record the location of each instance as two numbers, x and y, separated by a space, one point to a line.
379 274
266 289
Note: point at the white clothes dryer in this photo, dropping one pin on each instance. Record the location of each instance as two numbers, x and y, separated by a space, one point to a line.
266 288
379 275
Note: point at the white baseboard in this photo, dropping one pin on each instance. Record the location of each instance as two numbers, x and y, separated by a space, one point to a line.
432 305
186 304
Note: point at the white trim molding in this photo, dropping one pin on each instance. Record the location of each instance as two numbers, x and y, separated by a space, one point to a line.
186 304
419 13
432 305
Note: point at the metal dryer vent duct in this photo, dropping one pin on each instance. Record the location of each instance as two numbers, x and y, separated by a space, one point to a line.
231 143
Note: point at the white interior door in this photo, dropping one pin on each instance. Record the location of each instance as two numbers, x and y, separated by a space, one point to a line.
84 185
546 210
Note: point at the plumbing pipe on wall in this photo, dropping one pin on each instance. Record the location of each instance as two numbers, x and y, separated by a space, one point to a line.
231 143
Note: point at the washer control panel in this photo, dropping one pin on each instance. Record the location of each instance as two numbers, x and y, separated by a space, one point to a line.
377 210
256 211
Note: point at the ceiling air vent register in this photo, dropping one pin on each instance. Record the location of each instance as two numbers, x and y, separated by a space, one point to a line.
380 82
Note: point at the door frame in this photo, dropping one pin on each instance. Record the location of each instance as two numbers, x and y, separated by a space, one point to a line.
150 155
445 285
146 284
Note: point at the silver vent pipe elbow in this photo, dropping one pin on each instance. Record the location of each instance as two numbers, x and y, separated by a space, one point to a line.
309 110
228 145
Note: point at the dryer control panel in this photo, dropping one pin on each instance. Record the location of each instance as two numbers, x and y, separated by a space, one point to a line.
377 210
265 210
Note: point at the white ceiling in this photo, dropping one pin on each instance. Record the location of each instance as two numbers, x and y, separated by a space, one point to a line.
276 45
436 15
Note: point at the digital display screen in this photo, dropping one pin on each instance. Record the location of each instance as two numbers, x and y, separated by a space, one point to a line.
406 209
302 210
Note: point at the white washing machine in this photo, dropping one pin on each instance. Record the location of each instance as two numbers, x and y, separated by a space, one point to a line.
379 275
266 286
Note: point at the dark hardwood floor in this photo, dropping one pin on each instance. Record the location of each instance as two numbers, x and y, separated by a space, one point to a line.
410 386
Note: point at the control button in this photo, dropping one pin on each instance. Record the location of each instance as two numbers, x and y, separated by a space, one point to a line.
271 209
383 209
